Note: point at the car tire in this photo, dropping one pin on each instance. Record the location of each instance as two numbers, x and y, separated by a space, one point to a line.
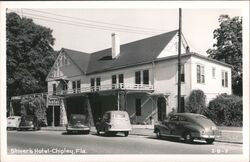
188 138
158 133
209 141
126 133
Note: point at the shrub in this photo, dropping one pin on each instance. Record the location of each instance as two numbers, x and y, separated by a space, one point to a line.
225 110
196 102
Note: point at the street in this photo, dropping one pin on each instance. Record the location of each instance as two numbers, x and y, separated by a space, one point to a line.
57 142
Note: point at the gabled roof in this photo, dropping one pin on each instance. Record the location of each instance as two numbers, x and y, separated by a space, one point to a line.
133 53
80 59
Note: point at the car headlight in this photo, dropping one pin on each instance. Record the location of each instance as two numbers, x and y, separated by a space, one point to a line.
202 132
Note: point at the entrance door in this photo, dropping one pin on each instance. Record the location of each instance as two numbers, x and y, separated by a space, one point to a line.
56 115
161 106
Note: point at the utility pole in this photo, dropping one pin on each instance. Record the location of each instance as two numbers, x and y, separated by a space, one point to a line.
179 64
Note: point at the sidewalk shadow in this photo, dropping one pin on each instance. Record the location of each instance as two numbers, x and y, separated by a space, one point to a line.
178 140
108 135
75 133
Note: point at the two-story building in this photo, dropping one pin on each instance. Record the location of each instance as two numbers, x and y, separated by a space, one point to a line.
139 77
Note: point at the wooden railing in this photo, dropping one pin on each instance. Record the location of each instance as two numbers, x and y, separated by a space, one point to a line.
122 86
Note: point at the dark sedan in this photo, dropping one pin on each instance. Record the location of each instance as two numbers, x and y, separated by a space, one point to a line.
78 123
188 126
29 122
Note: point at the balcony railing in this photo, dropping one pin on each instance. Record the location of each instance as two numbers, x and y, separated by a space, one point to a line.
121 86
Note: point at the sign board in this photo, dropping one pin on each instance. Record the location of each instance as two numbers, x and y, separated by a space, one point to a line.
53 101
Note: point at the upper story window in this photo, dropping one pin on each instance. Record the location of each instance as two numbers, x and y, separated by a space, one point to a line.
62 60
121 78
224 78
54 89
145 76
95 84
200 74
213 72
138 77
76 86
142 77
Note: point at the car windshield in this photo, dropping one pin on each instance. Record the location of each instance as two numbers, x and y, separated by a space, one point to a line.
78 119
27 118
119 116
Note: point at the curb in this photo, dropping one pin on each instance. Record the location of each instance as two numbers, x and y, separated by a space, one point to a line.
144 135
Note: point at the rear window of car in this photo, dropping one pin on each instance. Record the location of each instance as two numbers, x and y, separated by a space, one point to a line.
28 118
11 118
119 115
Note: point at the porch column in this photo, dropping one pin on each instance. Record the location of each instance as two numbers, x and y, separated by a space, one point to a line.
87 105
63 114
122 100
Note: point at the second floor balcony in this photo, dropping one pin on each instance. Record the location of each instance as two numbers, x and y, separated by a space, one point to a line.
120 86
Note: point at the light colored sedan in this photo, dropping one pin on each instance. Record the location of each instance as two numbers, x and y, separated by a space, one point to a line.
13 122
113 122
188 126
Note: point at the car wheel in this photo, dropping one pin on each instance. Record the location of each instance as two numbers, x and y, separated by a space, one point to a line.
188 138
126 133
158 133
209 141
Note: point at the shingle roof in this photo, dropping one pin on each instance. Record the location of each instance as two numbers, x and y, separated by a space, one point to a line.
133 53
80 59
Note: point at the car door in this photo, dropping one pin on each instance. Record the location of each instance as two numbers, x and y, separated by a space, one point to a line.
172 124
180 125
165 128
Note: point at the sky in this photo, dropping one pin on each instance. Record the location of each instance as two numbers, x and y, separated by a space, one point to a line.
87 33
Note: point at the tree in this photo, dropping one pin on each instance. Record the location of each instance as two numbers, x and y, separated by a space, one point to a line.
29 55
226 110
196 102
228 48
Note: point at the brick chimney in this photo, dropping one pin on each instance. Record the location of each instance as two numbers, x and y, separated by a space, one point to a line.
115 45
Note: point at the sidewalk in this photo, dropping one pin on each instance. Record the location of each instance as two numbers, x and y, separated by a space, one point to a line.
228 134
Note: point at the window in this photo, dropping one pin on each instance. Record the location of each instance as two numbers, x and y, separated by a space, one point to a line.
224 79
113 81
92 84
182 74
145 77
54 89
200 74
138 77
98 83
65 87
78 85
121 80
138 107
74 86
213 72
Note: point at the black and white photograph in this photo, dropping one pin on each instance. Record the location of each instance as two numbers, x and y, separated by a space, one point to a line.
134 81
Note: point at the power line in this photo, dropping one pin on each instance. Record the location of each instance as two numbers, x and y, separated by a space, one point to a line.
43 18
99 22
88 24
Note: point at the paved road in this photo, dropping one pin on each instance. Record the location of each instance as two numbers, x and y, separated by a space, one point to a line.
56 142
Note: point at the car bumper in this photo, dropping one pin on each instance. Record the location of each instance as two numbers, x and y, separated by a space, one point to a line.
78 129
26 127
119 130
205 136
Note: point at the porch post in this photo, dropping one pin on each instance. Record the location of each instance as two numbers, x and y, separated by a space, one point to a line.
118 100
89 111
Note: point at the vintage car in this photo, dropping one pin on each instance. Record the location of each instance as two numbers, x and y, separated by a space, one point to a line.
113 122
29 122
188 126
13 122
78 123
